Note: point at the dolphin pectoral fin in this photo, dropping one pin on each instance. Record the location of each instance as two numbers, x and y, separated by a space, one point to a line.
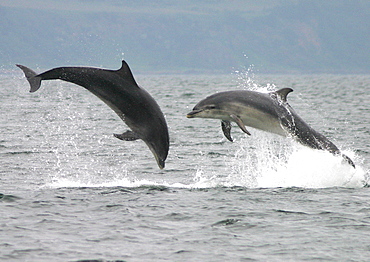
127 136
226 128
240 124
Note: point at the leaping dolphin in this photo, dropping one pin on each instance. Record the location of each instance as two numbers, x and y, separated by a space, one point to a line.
119 90
265 111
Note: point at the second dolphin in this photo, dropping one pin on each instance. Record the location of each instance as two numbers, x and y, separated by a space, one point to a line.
265 111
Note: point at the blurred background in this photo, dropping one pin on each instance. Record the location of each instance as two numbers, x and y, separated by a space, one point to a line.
188 36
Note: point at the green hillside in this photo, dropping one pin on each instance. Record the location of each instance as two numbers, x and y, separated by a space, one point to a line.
188 36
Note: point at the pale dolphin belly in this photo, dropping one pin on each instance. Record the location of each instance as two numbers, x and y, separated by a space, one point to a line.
262 121
256 118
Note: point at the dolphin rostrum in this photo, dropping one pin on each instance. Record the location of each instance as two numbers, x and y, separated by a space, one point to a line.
119 90
265 111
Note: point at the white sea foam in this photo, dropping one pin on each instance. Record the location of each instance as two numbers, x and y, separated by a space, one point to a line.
262 160
300 167
286 164
304 167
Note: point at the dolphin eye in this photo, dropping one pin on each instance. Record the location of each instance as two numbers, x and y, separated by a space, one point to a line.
210 107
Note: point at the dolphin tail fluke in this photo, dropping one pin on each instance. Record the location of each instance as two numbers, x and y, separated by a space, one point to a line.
32 78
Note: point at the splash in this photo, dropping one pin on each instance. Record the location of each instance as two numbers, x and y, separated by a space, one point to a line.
246 79
262 162
288 164
265 160
129 181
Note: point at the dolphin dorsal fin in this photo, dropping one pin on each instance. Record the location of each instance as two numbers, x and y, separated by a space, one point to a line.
125 72
283 93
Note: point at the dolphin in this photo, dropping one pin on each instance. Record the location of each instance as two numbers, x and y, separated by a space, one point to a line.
119 90
265 111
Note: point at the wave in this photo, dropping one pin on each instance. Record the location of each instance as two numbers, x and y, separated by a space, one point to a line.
261 161
297 166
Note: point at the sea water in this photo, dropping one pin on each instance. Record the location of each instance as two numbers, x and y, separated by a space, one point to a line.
70 191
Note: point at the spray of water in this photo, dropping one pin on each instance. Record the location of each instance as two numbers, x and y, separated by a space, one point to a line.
288 164
265 160
260 161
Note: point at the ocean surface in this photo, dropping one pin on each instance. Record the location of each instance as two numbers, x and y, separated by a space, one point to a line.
70 191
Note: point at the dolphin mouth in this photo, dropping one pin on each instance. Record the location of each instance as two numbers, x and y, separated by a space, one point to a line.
160 164
193 113
160 160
